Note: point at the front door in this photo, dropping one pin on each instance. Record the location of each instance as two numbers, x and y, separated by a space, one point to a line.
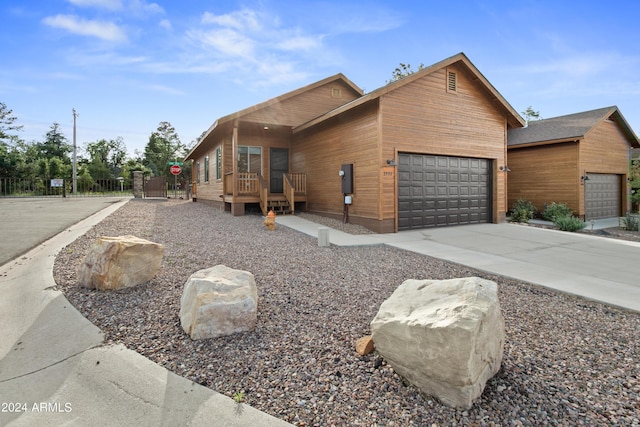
278 165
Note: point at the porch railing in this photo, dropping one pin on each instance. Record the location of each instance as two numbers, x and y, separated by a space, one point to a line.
298 182
228 183
289 192
249 183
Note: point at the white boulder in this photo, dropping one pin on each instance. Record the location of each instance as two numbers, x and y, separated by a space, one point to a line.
120 262
218 301
446 337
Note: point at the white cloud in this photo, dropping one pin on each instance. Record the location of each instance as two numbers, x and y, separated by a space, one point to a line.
302 43
80 58
141 7
226 41
166 24
244 19
101 29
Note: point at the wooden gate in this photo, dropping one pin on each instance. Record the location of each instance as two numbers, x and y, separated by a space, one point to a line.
156 186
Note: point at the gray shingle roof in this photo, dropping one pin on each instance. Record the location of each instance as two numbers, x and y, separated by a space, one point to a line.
572 126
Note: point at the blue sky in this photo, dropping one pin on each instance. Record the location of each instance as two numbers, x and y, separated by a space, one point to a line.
127 65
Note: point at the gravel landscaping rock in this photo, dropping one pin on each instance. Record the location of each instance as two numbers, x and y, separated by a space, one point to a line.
567 361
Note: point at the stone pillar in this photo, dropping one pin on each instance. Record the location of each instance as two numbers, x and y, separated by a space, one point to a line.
138 184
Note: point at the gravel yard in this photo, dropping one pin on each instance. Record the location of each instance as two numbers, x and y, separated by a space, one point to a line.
567 361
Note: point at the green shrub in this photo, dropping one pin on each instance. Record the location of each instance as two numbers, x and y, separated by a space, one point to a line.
569 223
632 222
522 211
555 210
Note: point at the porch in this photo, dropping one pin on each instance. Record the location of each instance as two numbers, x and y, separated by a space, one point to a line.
248 187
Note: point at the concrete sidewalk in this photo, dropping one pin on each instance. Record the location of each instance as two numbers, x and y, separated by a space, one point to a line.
56 370
595 268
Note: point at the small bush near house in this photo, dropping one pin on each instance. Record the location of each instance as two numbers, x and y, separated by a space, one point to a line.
555 210
522 211
569 223
632 222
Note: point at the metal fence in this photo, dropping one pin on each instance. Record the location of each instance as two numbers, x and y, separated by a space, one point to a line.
15 187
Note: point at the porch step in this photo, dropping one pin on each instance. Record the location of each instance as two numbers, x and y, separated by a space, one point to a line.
279 206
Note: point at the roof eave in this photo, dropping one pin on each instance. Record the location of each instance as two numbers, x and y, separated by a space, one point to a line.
546 142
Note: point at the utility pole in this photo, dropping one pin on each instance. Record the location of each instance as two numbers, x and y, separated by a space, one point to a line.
74 177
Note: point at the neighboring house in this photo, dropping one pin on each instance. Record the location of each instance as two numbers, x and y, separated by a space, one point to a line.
425 151
579 159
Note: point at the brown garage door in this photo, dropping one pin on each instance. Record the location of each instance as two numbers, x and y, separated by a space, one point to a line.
435 191
602 196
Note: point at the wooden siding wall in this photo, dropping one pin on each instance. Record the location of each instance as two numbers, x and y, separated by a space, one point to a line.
304 106
321 151
605 150
545 174
213 189
422 117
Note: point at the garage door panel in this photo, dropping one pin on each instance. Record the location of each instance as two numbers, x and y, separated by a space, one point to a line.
602 197
454 191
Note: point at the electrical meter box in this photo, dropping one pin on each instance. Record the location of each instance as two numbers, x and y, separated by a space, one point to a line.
347 178
348 200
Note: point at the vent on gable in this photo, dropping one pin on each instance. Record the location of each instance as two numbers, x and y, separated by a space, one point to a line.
336 92
452 82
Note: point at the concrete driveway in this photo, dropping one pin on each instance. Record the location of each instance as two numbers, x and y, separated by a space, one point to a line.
596 268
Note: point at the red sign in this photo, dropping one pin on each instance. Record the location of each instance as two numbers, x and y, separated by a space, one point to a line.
175 169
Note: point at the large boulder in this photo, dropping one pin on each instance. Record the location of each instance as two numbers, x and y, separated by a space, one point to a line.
120 262
218 301
446 337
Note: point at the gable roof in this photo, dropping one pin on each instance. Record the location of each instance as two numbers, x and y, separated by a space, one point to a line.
270 102
513 118
568 128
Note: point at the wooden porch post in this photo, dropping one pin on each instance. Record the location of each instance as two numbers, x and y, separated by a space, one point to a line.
234 158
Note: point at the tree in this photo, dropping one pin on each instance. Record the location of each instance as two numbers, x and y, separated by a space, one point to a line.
55 145
9 156
634 181
7 120
164 146
402 71
106 157
529 114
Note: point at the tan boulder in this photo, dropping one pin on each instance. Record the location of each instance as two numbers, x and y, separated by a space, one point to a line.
120 262
218 301
444 336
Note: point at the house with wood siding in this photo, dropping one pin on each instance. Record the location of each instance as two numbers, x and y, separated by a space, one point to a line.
579 159
425 151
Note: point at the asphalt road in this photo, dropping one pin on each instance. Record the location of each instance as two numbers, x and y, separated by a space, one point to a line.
27 222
